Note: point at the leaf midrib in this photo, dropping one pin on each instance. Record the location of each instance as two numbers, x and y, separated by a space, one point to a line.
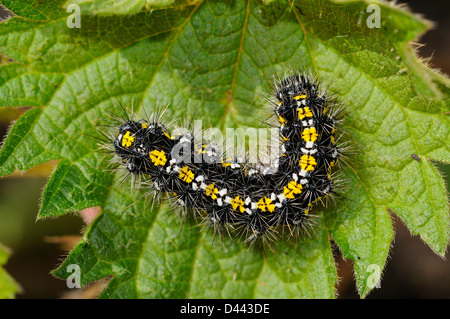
163 59
229 104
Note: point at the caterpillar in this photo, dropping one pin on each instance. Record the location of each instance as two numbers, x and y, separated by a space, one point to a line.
232 195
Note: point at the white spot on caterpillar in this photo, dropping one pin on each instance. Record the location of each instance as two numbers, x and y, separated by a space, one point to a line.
310 152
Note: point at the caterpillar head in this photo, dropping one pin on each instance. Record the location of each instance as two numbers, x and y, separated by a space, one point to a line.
142 147
129 145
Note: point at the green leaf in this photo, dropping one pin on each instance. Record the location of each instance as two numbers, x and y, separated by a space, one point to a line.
123 7
212 58
8 287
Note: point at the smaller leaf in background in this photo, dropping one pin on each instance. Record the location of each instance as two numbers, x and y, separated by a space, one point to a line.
124 7
8 287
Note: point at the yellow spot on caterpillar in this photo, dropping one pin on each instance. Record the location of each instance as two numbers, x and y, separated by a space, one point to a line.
211 191
282 119
279 103
292 189
308 163
226 164
127 139
265 203
285 138
332 163
304 112
310 134
168 136
158 157
237 203
186 174
332 140
300 97
144 125
200 150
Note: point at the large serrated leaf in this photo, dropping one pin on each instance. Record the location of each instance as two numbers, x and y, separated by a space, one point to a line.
213 58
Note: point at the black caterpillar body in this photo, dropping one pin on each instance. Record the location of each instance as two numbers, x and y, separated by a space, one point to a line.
233 195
